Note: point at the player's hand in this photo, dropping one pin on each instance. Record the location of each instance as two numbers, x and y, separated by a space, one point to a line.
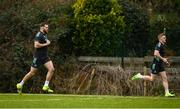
165 60
168 64
48 42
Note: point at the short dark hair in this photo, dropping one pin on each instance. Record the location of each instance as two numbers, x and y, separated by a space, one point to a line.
43 24
160 35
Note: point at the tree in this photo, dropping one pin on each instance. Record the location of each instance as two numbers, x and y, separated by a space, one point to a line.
98 27
136 31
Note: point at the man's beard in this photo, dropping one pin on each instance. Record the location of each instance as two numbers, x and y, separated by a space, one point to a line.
45 32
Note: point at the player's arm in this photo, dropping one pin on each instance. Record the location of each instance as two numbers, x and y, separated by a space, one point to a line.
39 45
157 54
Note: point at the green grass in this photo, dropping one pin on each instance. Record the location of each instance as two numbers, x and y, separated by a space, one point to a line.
85 101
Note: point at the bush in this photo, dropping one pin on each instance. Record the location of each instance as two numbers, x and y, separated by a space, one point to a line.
136 31
98 27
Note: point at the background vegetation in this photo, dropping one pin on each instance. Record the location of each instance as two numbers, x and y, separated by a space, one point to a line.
80 27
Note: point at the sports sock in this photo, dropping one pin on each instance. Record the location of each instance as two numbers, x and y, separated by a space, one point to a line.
140 76
22 83
166 90
46 83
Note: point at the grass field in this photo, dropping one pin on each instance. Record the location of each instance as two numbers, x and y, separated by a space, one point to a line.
85 101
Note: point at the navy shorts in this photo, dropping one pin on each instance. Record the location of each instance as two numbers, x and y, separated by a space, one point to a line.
157 67
39 61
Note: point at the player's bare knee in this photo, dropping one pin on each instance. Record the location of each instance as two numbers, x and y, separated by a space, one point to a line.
51 70
152 79
165 79
32 73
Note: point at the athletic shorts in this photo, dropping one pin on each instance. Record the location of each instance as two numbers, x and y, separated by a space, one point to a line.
157 67
39 61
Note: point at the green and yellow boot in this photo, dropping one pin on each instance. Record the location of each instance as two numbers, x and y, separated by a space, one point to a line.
47 89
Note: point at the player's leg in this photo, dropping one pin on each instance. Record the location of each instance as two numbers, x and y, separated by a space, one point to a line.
145 77
31 73
165 84
50 67
151 77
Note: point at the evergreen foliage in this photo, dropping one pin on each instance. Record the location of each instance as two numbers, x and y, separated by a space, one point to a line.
98 27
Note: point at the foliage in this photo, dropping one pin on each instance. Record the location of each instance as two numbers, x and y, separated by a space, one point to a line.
163 6
96 30
98 27
136 31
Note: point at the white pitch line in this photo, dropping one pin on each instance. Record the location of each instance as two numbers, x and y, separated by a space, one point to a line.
94 96
19 100
45 100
